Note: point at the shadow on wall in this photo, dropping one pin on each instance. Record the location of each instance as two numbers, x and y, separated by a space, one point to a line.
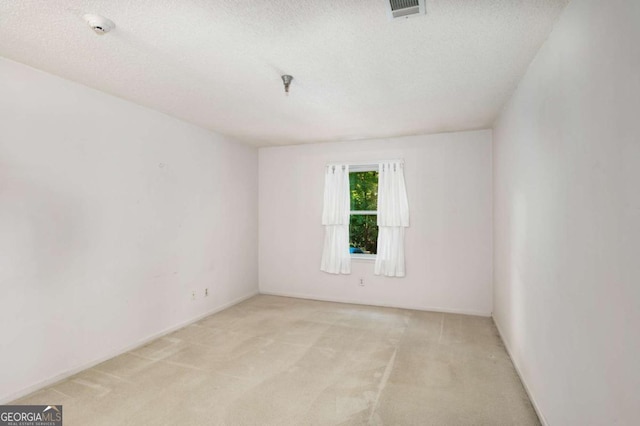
39 227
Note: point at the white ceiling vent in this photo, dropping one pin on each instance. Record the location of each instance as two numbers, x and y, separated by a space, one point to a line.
405 8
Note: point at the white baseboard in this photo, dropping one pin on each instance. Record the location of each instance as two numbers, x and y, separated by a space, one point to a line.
370 303
142 342
536 407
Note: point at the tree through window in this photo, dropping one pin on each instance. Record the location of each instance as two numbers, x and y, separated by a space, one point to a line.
363 227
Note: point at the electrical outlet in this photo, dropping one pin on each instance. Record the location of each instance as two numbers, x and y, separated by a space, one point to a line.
361 283
193 295
206 292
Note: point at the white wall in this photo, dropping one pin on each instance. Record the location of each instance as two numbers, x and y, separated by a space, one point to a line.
448 245
567 219
110 215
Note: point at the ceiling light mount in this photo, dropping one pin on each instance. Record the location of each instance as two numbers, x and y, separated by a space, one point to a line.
286 79
99 24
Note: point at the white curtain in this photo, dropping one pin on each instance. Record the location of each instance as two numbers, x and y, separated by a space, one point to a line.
393 217
335 218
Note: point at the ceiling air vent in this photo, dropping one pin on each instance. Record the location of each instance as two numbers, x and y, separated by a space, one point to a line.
405 8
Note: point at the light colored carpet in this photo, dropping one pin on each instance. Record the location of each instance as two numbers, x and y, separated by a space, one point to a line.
282 361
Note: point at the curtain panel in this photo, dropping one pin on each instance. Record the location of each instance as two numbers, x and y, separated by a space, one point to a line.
336 258
393 218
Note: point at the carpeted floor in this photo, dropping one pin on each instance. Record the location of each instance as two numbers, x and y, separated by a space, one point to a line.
282 361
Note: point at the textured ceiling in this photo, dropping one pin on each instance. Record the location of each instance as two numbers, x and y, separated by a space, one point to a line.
217 63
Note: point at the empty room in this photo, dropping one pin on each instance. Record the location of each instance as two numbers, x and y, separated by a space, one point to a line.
320 212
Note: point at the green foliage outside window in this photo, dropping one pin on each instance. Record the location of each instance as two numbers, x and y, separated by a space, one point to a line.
363 228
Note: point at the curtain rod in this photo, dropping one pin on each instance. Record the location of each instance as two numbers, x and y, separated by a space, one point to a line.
365 163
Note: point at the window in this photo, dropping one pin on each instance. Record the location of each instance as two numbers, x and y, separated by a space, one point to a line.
363 227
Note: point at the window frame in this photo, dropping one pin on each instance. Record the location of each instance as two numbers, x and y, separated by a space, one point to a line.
373 167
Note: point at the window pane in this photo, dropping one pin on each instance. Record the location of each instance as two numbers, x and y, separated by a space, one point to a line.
363 234
364 190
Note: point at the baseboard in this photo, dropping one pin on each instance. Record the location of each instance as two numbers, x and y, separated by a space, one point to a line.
370 303
142 342
536 407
